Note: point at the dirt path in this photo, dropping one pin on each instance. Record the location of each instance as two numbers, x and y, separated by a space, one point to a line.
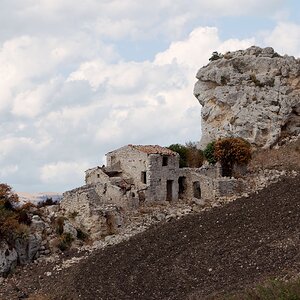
218 250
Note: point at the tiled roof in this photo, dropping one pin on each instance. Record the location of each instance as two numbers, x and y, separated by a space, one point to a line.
153 149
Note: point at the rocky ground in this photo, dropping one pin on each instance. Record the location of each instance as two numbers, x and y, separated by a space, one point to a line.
199 256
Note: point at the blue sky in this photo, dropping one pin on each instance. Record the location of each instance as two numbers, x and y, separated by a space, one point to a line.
80 78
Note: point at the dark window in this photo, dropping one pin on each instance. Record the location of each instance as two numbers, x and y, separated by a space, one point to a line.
182 186
98 175
165 161
144 177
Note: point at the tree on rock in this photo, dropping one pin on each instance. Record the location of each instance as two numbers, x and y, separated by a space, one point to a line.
231 151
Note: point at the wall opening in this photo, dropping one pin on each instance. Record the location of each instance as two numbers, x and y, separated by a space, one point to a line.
182 186
165 160
144 177
197 189
169 190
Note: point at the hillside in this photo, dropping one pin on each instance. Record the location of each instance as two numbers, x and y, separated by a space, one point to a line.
201 255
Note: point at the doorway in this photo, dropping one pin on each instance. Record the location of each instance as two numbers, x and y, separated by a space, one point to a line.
181 187
197 189
169 190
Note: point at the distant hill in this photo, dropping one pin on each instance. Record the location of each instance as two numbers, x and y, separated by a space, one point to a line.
35 198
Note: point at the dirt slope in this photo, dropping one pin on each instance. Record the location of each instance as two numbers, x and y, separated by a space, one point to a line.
225 248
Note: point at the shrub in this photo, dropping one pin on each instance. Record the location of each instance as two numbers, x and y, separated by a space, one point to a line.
59 224
182 151
81 235
47 202
190 156
215 56
194 156
65 241
209 153
230 151
13 220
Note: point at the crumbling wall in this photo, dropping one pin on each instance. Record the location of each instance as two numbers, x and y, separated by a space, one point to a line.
206 184
132 163
95 175
225 187
159 175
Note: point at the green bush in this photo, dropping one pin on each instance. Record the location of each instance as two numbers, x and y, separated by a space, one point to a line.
190 156
209 153
182 151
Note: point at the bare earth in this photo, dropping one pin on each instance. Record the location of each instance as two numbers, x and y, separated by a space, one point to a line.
196 257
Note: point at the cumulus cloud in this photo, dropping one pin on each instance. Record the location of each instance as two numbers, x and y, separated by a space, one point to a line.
64 172
68 94
285 38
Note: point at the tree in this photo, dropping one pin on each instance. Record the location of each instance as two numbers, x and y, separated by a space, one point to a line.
190 156
230 151
194 156
209 153
7 197
182 151
14 220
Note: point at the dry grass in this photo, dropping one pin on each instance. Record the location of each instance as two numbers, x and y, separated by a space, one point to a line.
287 157
269 290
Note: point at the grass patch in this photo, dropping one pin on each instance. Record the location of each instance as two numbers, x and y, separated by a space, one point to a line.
270 290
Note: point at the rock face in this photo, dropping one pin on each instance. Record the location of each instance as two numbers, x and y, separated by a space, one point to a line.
8 258
253 94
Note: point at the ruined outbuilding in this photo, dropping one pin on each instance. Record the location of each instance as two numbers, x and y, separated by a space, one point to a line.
137 175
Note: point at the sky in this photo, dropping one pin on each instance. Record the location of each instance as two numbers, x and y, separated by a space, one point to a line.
79 78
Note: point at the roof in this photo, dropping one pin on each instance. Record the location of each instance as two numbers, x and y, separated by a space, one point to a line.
153 149
149 149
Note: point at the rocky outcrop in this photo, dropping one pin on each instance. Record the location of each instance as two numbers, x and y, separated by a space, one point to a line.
8 258
253 94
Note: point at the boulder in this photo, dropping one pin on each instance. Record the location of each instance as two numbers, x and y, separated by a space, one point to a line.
253 94
8 258
70 229
27 248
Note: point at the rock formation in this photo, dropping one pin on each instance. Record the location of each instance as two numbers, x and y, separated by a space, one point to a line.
253 94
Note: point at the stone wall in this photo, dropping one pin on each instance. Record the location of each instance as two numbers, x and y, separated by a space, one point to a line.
132 163
96 175
159 175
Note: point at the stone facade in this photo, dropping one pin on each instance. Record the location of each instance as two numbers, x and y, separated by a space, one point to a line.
137 175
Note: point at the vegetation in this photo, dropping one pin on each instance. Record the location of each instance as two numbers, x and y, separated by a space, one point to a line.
272 289
209 153
215 56
81 235
65 241
14 220
190 156
230 151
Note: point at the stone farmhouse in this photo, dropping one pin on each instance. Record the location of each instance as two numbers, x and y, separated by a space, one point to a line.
138 175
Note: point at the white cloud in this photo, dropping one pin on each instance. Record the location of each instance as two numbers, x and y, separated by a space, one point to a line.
64 172
68 94
8 170
285 38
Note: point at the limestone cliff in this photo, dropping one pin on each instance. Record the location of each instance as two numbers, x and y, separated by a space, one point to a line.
253 93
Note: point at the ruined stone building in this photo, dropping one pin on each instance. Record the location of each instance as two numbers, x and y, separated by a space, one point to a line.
135 175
